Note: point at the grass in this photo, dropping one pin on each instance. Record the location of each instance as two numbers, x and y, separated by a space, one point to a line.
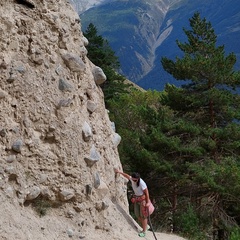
41 206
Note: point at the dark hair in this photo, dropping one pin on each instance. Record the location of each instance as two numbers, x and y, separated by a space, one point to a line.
136 175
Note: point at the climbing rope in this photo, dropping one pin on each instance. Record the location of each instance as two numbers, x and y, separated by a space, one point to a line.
150 223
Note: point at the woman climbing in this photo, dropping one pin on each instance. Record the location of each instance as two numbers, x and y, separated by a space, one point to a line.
140 199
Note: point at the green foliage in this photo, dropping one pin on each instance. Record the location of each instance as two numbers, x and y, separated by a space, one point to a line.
183 141
235 234
208 129
189 224
99 50
206 101
101 54
203 63
41 206
138 109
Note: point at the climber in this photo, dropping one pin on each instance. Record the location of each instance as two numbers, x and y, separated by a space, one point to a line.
140 199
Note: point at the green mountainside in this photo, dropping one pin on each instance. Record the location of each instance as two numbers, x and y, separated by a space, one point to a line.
142 32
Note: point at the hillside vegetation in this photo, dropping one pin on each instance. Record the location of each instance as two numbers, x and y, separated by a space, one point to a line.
185 141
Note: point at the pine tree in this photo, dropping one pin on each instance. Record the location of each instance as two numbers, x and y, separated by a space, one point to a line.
102 55
209 108
207 99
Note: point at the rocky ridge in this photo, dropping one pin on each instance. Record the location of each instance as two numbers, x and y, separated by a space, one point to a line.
57 143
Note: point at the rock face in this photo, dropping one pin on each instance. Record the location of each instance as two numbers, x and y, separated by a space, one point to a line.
57 144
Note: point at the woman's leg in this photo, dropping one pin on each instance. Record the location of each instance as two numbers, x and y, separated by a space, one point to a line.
137 211
143 216
144 224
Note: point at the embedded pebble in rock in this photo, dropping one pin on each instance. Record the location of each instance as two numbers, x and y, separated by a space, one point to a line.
70 233
17 146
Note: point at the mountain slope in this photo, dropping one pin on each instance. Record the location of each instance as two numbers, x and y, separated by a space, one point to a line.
83 5
225 18
132 28
141 32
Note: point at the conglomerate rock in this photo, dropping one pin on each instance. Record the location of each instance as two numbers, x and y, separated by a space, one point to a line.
57 144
